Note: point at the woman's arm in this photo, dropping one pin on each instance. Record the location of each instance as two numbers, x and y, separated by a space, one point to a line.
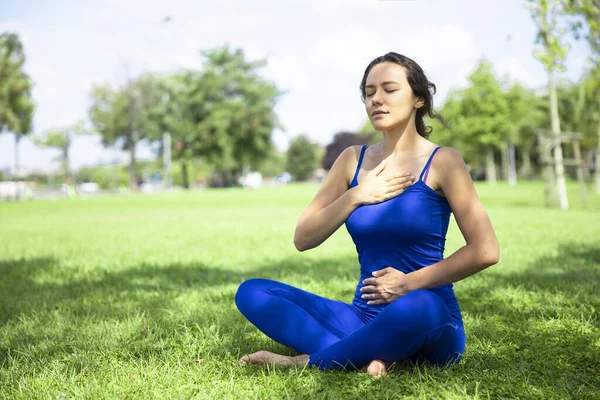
330 207
481 250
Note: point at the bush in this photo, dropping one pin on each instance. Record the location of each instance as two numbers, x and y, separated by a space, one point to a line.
302 158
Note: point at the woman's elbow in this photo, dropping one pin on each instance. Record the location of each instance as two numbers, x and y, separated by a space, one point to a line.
491 255
300 246
299 243
493 260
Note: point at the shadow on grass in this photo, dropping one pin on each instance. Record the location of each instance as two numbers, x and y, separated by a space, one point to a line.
39 292
572 274
538 325
532 329
23 291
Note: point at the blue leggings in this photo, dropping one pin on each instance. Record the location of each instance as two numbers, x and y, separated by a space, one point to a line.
337 335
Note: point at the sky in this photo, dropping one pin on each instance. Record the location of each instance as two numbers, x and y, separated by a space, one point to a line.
317 50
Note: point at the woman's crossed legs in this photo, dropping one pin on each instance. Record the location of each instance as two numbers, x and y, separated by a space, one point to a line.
332 335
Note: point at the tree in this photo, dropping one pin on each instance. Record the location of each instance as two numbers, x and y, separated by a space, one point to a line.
527 113
179 92
274 164
61 139
302 158
16 105
341 141
479 116
579 106
230 109
128 115
552 53
589 10
453 135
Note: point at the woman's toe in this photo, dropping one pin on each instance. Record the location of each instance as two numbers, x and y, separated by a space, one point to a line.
244 360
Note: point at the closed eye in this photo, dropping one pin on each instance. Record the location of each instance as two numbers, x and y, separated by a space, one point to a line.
387 91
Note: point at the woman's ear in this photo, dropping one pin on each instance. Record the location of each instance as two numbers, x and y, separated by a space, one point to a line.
420 102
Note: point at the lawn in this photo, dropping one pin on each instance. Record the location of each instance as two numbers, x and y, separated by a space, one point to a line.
132 297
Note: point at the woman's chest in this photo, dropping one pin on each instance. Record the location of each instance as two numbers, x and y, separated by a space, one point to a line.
409 216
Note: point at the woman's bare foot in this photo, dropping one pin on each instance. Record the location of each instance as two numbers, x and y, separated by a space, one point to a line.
376 368
266 357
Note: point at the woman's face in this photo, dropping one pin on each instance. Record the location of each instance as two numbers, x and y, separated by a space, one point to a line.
387 90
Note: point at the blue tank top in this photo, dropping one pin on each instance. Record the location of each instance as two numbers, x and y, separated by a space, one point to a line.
407 232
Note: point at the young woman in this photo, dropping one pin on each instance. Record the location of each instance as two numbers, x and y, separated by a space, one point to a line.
395 198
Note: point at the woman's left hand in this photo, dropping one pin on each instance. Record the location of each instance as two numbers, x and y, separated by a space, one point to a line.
385 287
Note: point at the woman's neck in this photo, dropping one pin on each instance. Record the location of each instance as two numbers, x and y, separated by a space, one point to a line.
401 140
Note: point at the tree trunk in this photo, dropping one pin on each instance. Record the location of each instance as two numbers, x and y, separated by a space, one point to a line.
167 178
545 150
65 152
504 161
184 174
580 167
526 164
588 162
512 167
132 177
490 167
17 140
558 156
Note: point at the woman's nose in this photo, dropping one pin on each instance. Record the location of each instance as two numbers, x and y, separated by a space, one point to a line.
375 99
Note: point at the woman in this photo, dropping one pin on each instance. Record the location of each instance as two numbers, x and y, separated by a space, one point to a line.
404 306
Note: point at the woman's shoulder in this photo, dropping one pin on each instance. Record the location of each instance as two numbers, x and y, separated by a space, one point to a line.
447 162
347 161
352 153
447 156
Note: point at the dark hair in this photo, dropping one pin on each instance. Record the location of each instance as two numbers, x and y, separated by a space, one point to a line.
418 82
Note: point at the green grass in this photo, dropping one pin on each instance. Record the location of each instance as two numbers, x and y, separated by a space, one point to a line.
133 297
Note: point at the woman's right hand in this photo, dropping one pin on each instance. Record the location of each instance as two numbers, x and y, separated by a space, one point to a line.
376 187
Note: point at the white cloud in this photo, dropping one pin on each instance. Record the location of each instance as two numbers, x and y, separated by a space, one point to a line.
348 50
516 72
290 73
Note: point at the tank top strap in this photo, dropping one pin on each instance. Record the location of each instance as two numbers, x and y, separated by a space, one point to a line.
362 153
425 171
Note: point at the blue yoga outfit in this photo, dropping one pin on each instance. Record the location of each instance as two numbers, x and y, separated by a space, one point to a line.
407 232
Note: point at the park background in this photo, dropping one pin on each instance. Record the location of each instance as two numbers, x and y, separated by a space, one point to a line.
154 155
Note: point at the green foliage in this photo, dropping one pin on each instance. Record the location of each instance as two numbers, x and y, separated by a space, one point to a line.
273 165
127 115
302 158
579 108
231 112
199 172
224 114
43 179
479 116
115 176
107 177
61 139
450 136
16 105
485 115
527 114
547 15
589 10
589 93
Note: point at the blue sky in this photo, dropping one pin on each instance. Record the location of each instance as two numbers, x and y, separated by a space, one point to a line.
317 50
